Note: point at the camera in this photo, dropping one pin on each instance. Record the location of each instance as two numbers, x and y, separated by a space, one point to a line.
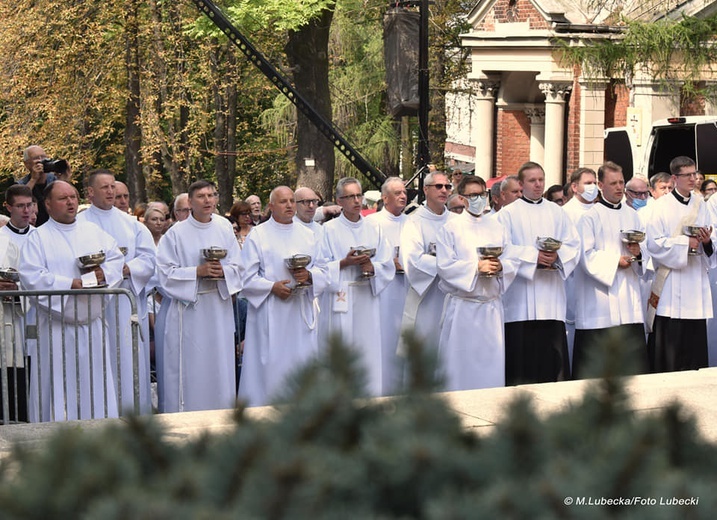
55 165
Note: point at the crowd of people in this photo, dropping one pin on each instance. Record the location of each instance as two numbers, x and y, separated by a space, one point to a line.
510 285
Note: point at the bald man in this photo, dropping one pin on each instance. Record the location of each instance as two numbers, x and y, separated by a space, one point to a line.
75 382
121 197
281 331
307 203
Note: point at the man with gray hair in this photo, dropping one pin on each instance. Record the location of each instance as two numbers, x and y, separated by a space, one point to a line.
361 266
510 190
255 204
180 208
424 302
391 220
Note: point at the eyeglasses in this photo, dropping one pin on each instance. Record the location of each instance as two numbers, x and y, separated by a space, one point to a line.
27 205
309 202
185 210
245 213
475 196
638 194
448 186
457 209
692 174
357 196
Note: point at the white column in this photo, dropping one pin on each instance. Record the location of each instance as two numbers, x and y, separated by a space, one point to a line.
555 94
483 128
592 122
536 115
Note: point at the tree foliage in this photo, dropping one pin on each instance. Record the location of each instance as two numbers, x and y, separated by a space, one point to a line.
672 51
328 454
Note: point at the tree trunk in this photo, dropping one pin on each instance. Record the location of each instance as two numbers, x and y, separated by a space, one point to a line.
225 98
133 131
308 56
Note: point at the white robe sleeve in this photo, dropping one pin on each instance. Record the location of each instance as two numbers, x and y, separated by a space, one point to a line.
421 268
569 252
177 281
663 247
599 264
142 266
256 287
383 265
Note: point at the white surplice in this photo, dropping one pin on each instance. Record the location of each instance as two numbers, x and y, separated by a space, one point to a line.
686 293
424 302
351 306
128 232
472 341
392 299
23 314
606 295
281 335
195 367
575 209
538 294
10 312
48 262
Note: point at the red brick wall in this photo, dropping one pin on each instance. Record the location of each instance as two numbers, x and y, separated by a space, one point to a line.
505 11
617 99
513 146
692 104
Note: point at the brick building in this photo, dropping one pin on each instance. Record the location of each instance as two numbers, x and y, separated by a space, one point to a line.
520 103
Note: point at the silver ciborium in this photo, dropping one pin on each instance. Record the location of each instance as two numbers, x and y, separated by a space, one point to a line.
487 252
214 253
361 250
90 262
692 231
298 261
9 274
549 245
632 236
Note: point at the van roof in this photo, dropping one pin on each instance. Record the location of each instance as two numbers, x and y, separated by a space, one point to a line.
688 120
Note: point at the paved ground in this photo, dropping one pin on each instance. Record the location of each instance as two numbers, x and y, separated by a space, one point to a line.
479 409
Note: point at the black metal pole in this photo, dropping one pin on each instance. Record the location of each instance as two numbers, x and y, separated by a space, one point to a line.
424 157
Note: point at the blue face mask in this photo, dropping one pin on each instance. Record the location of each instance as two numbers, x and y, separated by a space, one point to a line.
639 203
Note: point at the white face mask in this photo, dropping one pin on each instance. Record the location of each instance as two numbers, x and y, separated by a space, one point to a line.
477 205
590 193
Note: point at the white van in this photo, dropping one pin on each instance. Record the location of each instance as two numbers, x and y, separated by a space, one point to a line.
693 136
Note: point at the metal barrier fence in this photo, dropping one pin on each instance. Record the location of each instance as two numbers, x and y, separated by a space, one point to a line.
72 354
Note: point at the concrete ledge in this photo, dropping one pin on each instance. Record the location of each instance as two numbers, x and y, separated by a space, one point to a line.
480 410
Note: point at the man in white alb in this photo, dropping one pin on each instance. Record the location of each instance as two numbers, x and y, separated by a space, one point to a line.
391 220
136 244
351 307
71 333
282 320
472 346
424 302
195 366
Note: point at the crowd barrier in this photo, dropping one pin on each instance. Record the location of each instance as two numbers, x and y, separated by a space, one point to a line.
59 355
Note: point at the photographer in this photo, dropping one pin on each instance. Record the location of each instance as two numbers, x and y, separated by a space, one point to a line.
40 169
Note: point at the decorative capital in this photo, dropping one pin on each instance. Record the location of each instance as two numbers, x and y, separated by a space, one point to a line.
536 115
487 88
555 92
